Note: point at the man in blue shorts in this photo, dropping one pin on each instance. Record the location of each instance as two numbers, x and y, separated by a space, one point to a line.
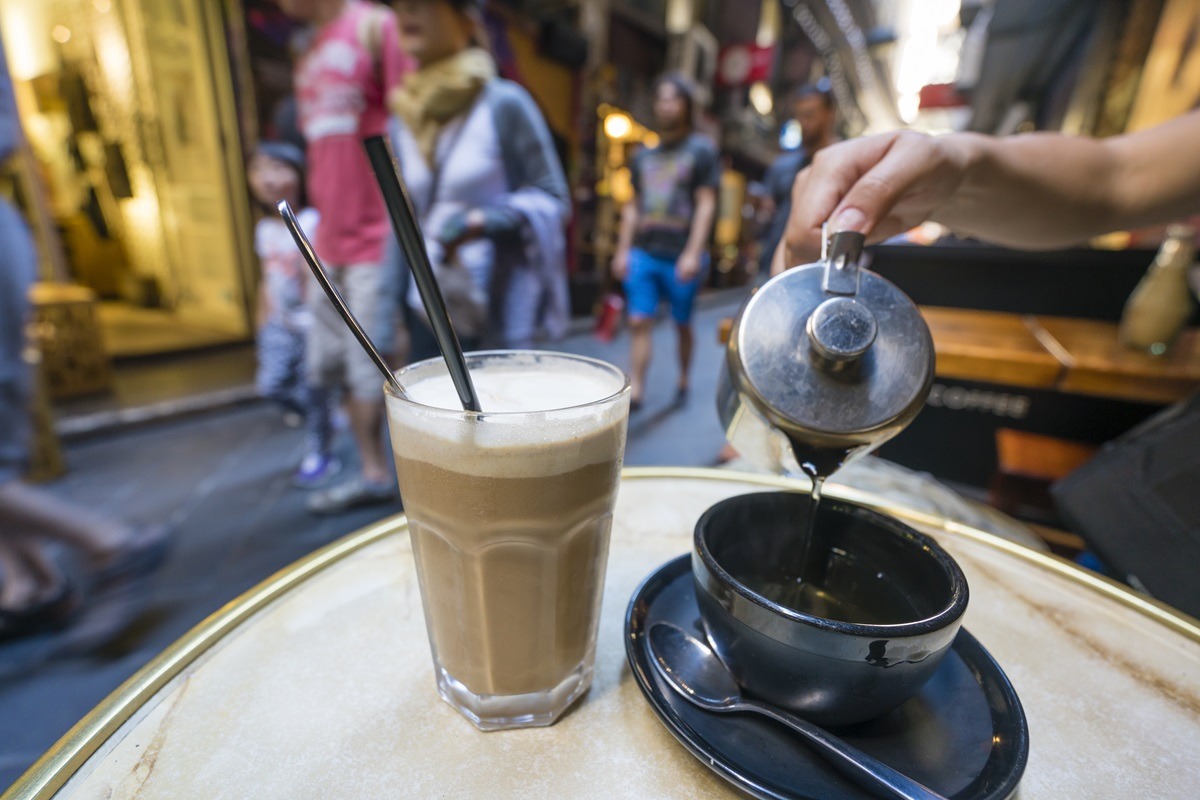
662 250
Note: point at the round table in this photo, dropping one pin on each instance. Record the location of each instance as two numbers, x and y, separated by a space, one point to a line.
318 682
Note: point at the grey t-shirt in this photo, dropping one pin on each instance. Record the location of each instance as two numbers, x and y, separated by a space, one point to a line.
666 179
778 181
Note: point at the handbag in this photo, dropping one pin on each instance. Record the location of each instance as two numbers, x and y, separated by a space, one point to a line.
608 320
466 303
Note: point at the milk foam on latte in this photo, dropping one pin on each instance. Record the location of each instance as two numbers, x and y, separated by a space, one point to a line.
499 444
508 389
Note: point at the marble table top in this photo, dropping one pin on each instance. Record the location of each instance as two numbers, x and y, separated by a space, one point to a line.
318 683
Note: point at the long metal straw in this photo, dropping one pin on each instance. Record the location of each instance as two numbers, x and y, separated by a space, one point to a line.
335 297
408 230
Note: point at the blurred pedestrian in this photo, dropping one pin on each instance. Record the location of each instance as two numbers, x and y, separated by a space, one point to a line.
51 552
276 172
479 161
662 249
354 57
814 109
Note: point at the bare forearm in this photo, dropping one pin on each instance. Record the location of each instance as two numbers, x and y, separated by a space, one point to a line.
1049 190
702 220
628 227
1031 191
1159 175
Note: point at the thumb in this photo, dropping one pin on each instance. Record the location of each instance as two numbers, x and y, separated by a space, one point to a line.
850 218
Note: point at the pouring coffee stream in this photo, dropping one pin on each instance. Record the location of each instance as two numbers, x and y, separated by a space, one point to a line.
825 362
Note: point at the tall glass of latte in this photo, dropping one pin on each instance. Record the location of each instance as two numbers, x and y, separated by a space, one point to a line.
509 511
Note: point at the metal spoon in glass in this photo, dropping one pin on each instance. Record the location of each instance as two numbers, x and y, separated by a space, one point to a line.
693 670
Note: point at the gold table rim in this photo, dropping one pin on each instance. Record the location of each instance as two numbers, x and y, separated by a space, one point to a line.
58 764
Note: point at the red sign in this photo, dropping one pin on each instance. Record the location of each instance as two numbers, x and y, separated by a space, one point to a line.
941 95
742 64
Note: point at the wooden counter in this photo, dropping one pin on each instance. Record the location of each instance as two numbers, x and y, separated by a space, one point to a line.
990 346
1096 363
1064 354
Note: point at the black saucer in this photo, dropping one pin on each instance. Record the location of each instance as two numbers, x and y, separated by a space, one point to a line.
963 735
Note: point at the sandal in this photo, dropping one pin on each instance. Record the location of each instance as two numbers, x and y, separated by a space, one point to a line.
60 597
142 553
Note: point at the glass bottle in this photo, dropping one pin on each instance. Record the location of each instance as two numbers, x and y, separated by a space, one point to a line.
1161 303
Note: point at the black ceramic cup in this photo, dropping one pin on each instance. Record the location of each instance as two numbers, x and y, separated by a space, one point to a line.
882 604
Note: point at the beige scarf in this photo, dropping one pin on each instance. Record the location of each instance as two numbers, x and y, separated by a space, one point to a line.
438 92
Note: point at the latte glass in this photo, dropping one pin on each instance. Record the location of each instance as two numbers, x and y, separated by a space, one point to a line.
509 511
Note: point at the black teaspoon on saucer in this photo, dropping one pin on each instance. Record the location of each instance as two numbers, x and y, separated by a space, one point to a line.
693 670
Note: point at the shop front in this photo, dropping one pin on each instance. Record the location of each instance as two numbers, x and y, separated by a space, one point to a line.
132 178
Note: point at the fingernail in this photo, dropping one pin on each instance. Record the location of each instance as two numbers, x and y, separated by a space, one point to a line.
850 219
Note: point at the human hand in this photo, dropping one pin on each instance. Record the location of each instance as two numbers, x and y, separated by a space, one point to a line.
620 263
462 228
878 185
687 266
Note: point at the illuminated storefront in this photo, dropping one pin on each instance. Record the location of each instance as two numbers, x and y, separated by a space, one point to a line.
133 178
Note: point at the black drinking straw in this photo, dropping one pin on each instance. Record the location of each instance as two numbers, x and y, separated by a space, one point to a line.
408 230
335 297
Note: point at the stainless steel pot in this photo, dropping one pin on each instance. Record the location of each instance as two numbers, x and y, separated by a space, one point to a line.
826 361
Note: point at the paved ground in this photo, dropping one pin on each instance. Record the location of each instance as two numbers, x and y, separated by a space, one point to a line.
221 479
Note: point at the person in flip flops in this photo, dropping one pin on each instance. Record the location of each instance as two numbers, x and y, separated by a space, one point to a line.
662 248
